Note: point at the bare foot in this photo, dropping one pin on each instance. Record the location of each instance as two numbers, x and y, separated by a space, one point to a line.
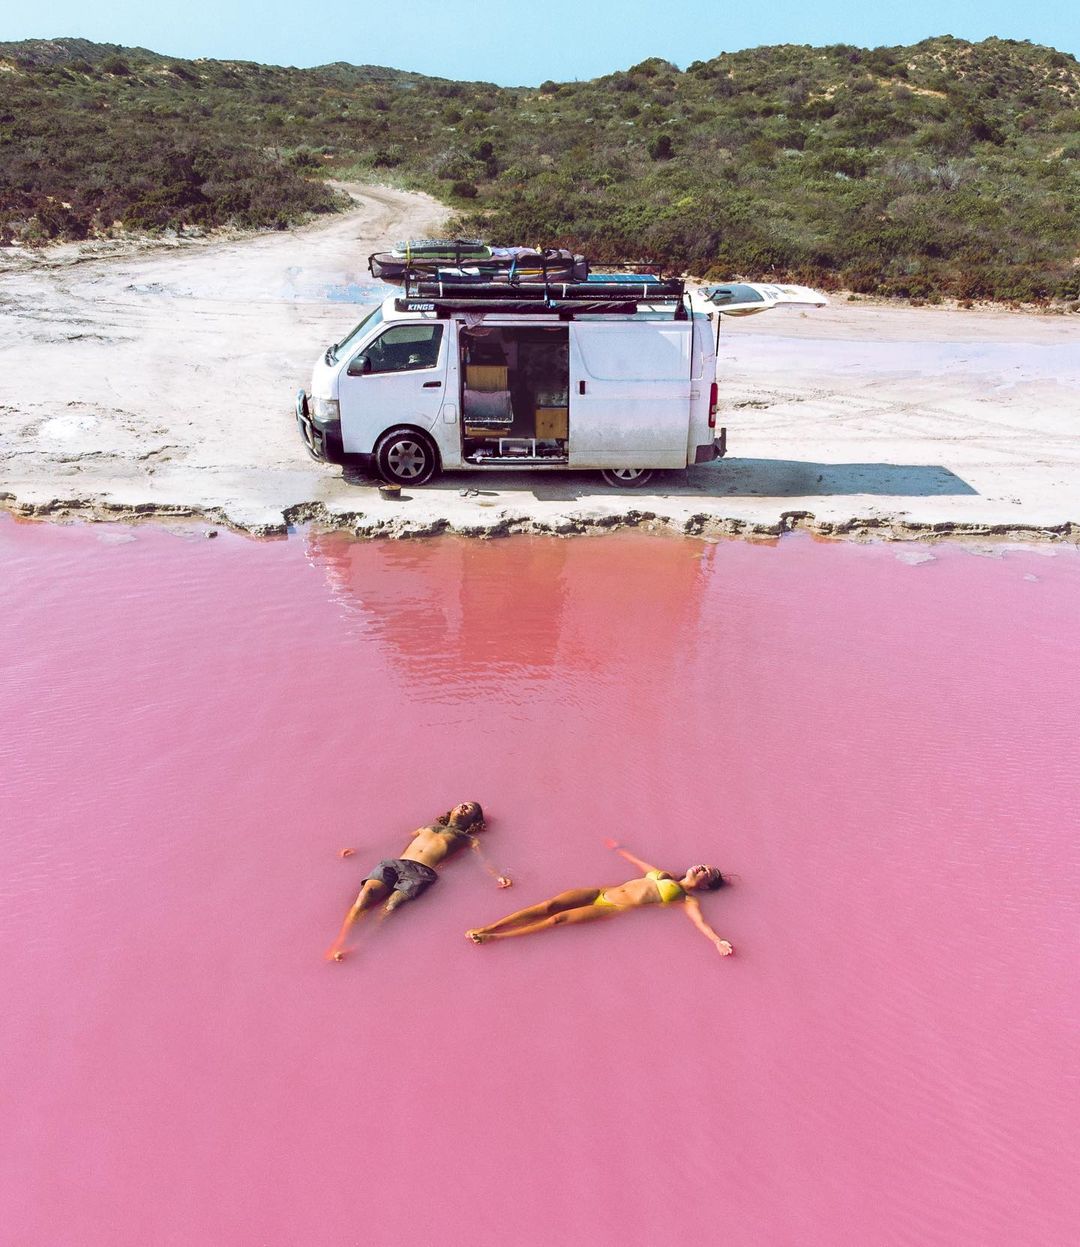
477 937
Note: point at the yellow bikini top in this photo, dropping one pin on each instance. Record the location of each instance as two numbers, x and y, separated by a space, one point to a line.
669 889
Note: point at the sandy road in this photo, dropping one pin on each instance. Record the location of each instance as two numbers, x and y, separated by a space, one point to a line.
160 381
163 380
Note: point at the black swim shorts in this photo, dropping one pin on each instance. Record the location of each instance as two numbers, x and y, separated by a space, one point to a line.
400 875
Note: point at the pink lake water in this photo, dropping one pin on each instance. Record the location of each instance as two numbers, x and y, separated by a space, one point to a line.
883 752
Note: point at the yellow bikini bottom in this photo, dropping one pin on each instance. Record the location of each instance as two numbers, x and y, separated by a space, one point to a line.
602 902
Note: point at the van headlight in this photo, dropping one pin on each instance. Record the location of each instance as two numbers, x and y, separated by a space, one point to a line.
325 411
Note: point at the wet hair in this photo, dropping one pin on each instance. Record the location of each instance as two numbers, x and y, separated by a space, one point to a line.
714 879
476 823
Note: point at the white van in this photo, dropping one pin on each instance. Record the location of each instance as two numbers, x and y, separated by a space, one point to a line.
612 375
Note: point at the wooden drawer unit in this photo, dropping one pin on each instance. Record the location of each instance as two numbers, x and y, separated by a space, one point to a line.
551 423
486 377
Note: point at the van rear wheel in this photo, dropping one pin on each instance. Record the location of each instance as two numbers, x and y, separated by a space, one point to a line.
627 478
406 457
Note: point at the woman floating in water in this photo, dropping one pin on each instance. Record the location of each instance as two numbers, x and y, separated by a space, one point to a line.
658 887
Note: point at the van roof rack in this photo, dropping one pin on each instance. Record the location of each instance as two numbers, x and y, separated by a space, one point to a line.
565 309
613 294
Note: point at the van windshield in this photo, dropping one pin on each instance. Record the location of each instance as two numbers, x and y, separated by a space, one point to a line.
370 321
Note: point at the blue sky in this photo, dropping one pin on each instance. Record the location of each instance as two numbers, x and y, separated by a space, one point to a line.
522 44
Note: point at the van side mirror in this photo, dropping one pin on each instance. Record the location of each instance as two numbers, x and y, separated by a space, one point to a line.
358 366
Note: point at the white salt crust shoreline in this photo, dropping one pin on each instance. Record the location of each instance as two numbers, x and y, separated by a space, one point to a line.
157 382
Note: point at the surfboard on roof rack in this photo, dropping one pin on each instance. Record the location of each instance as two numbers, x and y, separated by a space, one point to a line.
463 262
455 249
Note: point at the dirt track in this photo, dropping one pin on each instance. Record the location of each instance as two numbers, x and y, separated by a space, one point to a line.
161 381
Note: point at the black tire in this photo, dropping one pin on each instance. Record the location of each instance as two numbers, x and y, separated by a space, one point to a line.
628 478
406 457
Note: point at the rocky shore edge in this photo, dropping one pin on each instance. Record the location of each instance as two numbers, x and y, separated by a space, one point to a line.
506 522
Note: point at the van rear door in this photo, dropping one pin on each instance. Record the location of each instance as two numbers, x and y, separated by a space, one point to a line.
629 393
746 298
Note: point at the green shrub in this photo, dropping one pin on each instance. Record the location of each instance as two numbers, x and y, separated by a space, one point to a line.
828 166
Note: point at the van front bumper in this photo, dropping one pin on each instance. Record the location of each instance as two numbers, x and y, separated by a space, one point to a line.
320 435
716 449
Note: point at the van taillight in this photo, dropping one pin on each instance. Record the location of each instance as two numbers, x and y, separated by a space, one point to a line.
714 402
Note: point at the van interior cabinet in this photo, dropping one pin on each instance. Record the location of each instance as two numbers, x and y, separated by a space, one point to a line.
552 423
487 378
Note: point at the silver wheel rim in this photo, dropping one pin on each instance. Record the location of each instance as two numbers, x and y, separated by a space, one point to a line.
628 474
407 459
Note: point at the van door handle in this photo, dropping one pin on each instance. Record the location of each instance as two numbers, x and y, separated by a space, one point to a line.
432 385
581 387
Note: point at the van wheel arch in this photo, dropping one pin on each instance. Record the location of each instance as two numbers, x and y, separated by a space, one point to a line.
406 455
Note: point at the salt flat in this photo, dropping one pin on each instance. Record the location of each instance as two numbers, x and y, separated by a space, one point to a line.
159 380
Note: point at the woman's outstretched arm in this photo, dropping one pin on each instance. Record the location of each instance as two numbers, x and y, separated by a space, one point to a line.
644 867
693 912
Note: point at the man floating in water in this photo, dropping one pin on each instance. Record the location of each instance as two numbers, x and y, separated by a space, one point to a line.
403 878
658 887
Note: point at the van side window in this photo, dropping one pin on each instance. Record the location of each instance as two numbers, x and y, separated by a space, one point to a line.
404 348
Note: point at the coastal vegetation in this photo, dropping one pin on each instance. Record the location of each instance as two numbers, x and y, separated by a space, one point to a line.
944 169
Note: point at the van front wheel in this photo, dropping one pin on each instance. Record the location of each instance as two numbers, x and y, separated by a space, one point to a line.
627 478
406 457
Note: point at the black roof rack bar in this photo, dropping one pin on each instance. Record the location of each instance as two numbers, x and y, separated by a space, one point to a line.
670 291
564 308
417 274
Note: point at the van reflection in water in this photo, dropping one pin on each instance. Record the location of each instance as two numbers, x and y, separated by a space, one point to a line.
460 615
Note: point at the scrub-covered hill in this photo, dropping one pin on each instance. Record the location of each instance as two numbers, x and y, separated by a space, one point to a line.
942 168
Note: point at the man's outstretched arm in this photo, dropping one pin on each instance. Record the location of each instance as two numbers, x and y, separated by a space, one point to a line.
503 881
